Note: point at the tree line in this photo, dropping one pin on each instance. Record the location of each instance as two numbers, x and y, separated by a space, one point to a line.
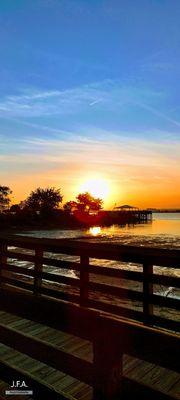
45 201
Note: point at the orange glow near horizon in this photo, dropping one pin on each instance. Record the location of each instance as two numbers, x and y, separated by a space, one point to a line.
116 186
111 192
139 173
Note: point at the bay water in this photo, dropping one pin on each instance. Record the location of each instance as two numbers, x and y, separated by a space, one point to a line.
162 232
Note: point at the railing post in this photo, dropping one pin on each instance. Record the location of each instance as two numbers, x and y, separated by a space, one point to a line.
147 291
84 279
3 261
107 366
38 268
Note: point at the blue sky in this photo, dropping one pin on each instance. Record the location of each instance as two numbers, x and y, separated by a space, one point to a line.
81 77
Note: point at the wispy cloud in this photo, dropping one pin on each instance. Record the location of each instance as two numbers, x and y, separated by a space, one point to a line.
120 151
108 93
38 127
134 165
158 113
106 96
37 103
95 102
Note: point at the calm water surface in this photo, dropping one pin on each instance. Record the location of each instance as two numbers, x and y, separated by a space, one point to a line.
163 231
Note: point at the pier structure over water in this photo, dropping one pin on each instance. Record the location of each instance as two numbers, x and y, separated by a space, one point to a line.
100 334
124 216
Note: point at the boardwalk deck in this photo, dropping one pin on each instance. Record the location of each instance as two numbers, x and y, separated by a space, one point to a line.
160 379
82 337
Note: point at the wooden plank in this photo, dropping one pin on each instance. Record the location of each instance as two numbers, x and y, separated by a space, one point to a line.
158 347
116 291
41 389
136 390
76 387
60 278
61 263
79 321
160 379
20 256
58 339
18 270
9 318
145 388
116 273
45 372
139 372
175 388
58 294
48 375
116 309
17 283
129 364
164 323
49 354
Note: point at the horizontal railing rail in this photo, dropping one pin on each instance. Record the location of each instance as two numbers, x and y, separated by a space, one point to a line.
111 251
32 264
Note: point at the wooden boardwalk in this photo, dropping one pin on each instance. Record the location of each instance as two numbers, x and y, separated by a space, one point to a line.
81 336
148 374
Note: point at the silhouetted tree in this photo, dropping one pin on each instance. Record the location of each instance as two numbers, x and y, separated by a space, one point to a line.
70 206
15 208
85 203
5 192
43 200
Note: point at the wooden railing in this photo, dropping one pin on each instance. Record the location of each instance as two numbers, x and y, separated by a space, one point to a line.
124 292
111 337
30 293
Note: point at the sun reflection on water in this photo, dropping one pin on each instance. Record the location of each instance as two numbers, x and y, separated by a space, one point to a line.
95 230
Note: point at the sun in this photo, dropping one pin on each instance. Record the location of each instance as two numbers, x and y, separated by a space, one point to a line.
97 187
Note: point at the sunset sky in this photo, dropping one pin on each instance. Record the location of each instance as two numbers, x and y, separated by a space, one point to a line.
90 92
